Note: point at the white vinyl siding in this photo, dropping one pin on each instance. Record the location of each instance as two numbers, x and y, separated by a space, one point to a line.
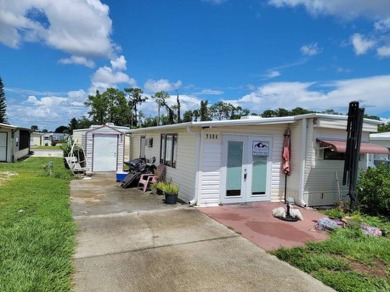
323 179
185 172
210 171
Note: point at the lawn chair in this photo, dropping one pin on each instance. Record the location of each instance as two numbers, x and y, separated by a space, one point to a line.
74 165
147 179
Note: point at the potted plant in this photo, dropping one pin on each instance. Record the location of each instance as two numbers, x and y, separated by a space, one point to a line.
158 187
171 191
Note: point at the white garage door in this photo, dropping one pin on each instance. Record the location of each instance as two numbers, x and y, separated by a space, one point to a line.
3 146
105 149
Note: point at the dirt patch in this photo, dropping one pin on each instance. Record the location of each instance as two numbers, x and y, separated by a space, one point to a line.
377 269
6 175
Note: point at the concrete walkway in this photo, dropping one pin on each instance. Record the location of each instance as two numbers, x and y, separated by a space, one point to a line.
128 240
47 152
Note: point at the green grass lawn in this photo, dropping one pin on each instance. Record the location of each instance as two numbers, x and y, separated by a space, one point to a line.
36 226
59 147
348 261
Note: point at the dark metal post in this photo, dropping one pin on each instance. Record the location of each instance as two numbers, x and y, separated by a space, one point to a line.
351 160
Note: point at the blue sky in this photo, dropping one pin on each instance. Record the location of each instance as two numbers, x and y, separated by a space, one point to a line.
315 54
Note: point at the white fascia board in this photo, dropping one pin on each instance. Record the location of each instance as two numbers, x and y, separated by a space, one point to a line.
224 123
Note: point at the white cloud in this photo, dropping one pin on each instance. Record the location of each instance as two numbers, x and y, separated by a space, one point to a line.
272 74
153 86
343 70
361 44
382 25
383 51
372 93
78 27
373 9
119 63
310 49
215 2
78 61
46 110
106 77
209 92
377 11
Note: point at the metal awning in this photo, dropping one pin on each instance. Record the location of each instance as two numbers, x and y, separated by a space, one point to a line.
365 147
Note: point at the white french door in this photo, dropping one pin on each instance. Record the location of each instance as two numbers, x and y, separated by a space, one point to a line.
246 168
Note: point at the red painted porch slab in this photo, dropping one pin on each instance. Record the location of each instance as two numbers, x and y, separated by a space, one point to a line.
255 222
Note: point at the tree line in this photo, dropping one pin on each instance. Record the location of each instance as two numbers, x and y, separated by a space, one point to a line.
122 109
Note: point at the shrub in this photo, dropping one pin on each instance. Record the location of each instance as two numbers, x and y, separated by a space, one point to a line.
373 190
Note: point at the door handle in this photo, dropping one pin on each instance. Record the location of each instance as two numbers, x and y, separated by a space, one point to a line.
245 174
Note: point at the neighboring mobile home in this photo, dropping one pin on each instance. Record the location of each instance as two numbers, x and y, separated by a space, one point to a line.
382 139
234 161
37 139
14 142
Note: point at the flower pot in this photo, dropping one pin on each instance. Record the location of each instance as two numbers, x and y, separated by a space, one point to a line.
159 192
170 198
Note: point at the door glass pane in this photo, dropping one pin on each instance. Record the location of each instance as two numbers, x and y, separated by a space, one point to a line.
259 174
142 147
234 168
168 147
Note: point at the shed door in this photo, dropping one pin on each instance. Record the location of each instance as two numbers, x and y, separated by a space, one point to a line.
105 149
3 146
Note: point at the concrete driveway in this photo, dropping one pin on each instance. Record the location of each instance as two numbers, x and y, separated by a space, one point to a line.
47 152
128 240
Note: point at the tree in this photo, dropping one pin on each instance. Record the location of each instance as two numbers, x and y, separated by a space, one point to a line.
239 112
34 128
372 117
161 98
187 116
204 112
224 111
135 98
98 108
118 108
149 122
384 128
83 123
178 106
331 112
3 106
282 112
299 111
268 114
61 129
109 107
73 124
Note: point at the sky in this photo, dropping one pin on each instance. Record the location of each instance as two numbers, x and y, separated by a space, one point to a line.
257 54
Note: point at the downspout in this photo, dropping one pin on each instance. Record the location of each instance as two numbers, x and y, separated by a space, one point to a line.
194 200
13 146
301 201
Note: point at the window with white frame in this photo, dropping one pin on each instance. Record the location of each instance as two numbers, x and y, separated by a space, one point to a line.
168 149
